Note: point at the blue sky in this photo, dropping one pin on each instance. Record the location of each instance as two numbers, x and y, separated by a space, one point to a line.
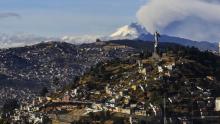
56 18
67 17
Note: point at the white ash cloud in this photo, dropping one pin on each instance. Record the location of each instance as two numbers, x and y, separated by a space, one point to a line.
194 19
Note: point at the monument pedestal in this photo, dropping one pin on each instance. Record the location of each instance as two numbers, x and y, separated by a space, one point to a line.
155 56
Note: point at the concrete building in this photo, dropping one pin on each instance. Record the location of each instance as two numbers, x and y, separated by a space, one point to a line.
219 48
217 104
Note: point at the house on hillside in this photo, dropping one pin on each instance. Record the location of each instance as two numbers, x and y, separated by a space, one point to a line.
217 104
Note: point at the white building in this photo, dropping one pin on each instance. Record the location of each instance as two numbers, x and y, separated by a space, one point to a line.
160 69
142 71
217 104
170 66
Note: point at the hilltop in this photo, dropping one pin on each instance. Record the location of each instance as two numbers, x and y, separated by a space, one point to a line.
46 62
187 78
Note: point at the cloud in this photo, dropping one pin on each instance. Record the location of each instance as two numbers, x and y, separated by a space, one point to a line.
19 40
80 39
194 19
9 14
23 39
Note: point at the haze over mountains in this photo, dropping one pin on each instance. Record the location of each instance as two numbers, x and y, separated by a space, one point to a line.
133 31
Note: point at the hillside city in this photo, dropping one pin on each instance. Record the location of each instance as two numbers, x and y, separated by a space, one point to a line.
109 82
109 62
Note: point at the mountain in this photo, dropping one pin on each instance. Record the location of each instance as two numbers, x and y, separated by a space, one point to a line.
136 31
103 71
42 63
132 31
186 80
26 71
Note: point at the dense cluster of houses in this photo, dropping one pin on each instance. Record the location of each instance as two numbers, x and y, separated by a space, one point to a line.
22 95
145 88
32 67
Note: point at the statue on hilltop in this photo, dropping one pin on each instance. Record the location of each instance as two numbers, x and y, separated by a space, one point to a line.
156 41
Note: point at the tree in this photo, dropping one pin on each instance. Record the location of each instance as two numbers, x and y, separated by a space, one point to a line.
56 81
9 107
44 91
98 40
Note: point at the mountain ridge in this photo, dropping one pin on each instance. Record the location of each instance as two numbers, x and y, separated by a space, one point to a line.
136 31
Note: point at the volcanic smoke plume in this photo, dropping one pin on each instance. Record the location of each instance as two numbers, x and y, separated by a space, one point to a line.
194 19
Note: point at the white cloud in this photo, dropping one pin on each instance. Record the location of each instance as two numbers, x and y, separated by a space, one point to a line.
20 40
80 39
195 19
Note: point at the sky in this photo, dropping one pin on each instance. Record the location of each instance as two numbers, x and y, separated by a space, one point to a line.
192 19
66 17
